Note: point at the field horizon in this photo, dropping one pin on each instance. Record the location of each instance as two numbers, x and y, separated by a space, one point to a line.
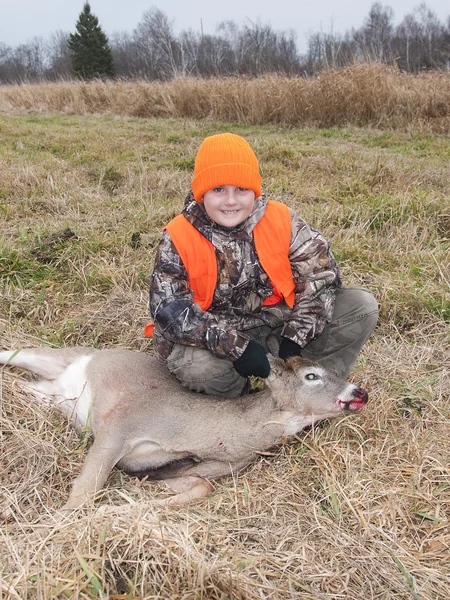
368 94
355 508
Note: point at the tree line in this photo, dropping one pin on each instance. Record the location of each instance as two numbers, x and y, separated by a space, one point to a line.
153 50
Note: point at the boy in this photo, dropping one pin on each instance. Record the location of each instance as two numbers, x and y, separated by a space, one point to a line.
234 268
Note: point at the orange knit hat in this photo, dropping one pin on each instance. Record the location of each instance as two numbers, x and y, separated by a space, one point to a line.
225 159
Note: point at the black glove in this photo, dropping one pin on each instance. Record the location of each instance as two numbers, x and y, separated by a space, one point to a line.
289 348
253 361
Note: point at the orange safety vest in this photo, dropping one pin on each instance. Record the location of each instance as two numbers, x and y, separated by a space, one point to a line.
272 235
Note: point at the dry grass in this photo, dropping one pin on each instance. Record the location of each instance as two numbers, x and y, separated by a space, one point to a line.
357 508
359 95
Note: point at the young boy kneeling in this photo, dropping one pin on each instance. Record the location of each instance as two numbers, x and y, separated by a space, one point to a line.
234 268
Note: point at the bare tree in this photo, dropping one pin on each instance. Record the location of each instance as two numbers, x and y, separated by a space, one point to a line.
374 37
432 34
6 73
446 45
26 62
157 48
406 43
258 49
126 55
420 41
58 56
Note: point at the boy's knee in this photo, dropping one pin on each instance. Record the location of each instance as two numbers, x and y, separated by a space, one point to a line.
355 303
200 371
367 301
191 363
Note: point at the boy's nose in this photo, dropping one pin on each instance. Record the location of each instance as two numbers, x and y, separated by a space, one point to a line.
230 197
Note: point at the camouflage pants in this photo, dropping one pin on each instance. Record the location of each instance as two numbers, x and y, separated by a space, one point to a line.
337 347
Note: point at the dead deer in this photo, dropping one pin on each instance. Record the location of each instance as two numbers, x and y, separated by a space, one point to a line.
144 422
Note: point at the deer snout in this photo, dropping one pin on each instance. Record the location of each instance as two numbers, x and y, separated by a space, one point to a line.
356 400
359 400
361 395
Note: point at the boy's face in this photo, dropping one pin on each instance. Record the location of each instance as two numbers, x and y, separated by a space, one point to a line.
229 205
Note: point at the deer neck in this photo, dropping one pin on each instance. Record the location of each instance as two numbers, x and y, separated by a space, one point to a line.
274 413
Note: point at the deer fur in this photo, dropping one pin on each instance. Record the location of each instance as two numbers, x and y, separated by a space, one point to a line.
144 422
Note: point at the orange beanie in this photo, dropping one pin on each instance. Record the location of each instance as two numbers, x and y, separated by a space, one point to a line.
225 159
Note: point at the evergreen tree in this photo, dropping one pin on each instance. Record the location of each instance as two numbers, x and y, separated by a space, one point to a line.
89 47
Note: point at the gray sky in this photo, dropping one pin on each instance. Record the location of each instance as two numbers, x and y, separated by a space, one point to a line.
21 20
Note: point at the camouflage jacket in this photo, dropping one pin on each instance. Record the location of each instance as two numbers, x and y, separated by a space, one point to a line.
241 289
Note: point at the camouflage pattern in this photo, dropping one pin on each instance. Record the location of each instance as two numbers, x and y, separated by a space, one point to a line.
241 289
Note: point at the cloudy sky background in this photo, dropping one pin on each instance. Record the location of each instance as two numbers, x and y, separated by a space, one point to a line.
21 20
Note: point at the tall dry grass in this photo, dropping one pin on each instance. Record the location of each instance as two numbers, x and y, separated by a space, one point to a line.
369 94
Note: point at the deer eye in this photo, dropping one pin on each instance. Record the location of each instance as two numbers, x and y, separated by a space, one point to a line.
311 376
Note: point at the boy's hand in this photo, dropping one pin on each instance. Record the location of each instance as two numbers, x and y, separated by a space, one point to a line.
253 361
289 348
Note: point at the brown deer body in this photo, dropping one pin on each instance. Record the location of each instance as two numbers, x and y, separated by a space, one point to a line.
144 422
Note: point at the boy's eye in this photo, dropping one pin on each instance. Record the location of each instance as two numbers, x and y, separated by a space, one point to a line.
218 189
241 189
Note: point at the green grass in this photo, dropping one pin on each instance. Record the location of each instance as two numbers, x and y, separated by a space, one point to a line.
413 144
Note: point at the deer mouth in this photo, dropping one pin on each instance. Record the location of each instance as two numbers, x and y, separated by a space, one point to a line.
357 400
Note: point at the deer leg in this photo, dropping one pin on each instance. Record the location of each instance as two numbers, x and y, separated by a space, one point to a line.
104 453
192 484
188 488
43 390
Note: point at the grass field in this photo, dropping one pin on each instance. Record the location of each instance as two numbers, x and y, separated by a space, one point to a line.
354 509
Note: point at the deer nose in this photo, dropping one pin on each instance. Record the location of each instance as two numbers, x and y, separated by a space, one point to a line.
361 394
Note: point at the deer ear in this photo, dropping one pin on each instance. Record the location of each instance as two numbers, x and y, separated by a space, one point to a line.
277 367
273 344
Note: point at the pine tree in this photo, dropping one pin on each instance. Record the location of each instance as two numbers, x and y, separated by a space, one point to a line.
89 47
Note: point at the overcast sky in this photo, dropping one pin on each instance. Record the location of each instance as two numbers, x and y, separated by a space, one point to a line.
21 20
